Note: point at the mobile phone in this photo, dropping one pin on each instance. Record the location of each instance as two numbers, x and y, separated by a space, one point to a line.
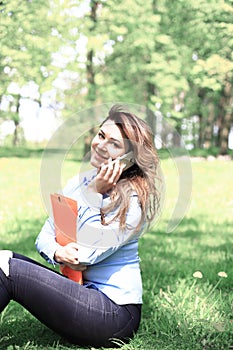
127 159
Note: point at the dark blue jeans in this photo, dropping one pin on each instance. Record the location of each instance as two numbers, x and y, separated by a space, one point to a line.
82 315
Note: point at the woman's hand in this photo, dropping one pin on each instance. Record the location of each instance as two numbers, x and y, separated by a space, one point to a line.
68 255
107 176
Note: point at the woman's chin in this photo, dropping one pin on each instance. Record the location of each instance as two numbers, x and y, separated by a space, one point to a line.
94 163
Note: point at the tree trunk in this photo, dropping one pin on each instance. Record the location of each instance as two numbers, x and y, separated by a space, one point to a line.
208 133
224 132
90 55
15 140
226 118
91 76
200 131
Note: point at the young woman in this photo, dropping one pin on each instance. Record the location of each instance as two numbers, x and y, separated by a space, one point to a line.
114 206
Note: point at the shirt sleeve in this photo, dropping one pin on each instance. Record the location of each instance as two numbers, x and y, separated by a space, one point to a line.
46 242
97 241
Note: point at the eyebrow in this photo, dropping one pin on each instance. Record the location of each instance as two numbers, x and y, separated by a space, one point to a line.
111 138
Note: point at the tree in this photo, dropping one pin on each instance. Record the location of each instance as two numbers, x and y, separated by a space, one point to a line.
145 57
208 39
28 39
171 57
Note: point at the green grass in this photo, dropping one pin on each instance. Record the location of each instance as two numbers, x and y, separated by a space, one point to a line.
180 312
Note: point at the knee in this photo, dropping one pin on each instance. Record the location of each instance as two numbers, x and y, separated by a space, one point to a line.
5 256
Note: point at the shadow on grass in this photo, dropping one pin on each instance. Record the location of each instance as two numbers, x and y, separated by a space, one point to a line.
20 152
23 330
25 152
20 237
167 258
170 312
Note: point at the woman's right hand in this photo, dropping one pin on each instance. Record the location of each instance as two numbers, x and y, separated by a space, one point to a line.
68 255
107 177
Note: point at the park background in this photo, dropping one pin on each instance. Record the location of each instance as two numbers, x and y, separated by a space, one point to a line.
175 59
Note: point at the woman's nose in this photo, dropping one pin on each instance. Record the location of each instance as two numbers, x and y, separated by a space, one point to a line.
103 145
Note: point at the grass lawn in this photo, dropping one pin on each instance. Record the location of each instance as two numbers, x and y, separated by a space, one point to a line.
181 311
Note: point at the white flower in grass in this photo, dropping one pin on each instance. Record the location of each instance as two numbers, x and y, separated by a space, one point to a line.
197 274
222 274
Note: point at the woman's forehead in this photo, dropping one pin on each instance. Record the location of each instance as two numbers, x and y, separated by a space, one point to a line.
111 129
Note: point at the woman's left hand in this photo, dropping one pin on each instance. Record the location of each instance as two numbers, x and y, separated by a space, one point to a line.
68 255
107 177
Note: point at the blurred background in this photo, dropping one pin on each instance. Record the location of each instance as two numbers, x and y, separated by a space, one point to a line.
59 57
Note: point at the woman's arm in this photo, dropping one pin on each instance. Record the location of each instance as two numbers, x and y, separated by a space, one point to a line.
53 252
46 242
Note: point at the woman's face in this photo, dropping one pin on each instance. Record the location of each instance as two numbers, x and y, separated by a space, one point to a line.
108 143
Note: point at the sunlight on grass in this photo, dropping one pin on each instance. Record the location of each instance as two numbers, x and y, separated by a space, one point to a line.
187 274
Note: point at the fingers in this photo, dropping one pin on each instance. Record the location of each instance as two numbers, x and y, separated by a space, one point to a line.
111 171
107 176
73 245
72 253
67 254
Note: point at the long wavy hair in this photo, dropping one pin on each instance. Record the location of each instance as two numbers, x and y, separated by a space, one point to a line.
141 177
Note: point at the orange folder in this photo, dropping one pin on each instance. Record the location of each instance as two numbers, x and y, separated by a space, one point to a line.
65 212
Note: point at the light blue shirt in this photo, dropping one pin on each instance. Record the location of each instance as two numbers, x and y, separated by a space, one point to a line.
111 254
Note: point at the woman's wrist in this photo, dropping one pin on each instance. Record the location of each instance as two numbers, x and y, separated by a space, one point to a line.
92 187
57 256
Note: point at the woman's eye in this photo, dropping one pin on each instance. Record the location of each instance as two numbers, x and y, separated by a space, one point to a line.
101 136
115 144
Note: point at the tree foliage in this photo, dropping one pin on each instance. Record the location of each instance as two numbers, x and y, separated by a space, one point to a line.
172 57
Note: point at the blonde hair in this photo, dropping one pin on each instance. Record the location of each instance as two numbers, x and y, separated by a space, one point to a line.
139 178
